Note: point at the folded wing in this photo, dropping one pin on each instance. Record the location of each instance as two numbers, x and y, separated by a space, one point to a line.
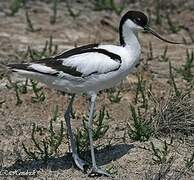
78 62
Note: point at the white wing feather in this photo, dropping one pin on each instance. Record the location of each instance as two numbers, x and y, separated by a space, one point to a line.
42 68
88 63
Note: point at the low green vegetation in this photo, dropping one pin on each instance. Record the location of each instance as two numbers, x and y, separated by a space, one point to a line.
190 34
71 11
23 88
45 141
114 95
177 91
38 92
19 88
49 49
150 55
54 8
110 5
161 155
141 94
173 27
16 5
30 25
165 156
158 20
164 57
140 129
186 69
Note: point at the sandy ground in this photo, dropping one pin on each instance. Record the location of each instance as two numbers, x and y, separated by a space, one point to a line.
125 157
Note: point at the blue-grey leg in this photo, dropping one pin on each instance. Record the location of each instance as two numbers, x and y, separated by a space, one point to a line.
79 162
95 170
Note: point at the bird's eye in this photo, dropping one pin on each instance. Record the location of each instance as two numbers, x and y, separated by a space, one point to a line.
137 20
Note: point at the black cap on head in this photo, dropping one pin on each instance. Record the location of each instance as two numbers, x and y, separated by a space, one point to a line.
140 19
137 17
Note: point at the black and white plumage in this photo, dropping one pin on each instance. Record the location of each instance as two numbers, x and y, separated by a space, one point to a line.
84 69
89 69
79 62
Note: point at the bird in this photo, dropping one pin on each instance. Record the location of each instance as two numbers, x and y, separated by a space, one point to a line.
89 69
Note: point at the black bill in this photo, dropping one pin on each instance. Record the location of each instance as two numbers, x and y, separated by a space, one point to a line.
148 29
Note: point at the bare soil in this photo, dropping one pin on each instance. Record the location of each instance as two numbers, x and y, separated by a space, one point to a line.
127 158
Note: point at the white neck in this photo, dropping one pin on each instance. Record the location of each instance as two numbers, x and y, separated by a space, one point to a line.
129 38
129 35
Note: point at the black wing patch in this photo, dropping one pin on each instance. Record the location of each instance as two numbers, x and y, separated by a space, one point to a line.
57 65
54 64
75 51
87 49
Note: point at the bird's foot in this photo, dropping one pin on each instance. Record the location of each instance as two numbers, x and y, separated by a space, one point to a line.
80 163
95 171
